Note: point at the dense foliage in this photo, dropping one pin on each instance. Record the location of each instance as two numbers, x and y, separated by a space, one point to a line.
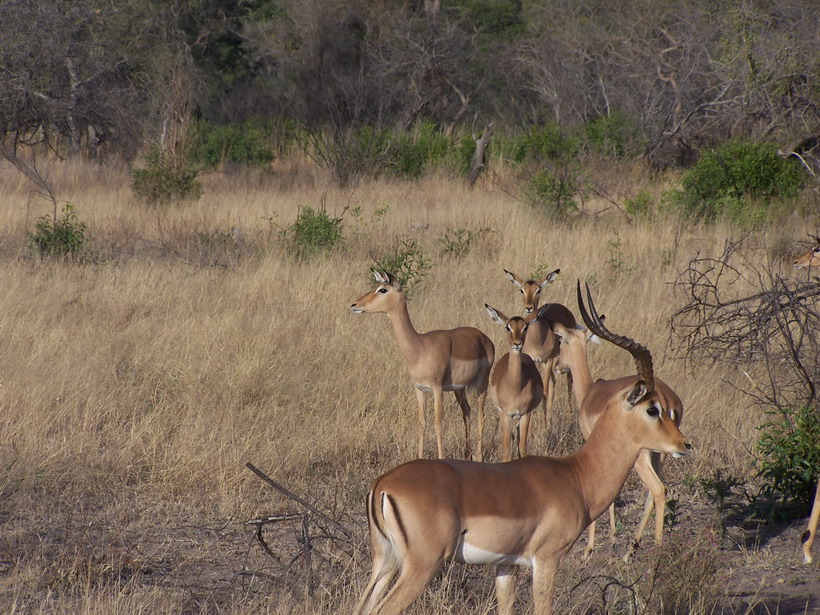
661 79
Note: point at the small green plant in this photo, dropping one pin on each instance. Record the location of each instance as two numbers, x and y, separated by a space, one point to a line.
314 231
553 192
789 460
407 262
640 206
63 236
616 258
457 242
164 180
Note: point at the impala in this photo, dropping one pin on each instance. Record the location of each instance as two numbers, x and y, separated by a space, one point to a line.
573 359
457 360
526 512
808 260
515 386
541 343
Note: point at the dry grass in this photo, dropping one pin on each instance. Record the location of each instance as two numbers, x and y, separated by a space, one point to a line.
134 388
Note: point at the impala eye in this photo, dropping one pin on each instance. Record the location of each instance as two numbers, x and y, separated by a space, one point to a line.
652 411
382 290
521 290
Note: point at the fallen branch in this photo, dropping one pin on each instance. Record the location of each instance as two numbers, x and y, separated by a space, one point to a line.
299 500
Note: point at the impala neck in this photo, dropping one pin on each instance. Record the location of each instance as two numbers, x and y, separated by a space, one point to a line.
581 376
514 367
604 462
406 335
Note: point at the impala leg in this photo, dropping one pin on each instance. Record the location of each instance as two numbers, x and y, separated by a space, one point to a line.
482 398
414 577
549 389
505 589
384 569
461 396
506 436
657 494
612 521
590 540
811 532
523 433
420 398
543 584
438 402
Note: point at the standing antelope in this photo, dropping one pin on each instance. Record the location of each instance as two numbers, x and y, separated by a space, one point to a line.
526 512
541 343
515 386
808 260
572 358
457 360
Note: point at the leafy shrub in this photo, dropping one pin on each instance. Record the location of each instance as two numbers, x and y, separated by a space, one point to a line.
246 144
407 262
314 232
457 242
164 181
615 135
63 236
729 179
464 150
545 143
355 154
412 155
553 192
640 206
789 460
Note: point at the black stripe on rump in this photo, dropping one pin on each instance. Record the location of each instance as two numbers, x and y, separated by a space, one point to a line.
398 518
371 512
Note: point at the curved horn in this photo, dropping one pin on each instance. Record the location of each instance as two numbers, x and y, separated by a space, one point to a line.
642 356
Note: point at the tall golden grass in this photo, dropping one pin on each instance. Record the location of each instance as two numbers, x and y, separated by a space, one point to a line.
134 387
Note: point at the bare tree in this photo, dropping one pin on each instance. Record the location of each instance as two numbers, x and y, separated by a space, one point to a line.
771 327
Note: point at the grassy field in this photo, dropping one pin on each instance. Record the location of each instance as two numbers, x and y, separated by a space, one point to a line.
134 387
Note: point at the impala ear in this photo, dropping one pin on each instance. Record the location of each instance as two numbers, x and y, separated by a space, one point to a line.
514 279
496 315
637 393
381 277
549 279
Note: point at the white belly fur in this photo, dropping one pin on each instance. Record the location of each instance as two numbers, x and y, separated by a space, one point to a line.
469 554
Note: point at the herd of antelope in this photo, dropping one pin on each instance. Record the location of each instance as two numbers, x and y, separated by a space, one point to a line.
531 510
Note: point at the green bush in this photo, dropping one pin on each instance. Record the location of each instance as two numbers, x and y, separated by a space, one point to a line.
314 232
544 143
458 242
553 192
63 236
789 460
246 144
411 155
640 206
407 262
163 181
615 136
737 180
